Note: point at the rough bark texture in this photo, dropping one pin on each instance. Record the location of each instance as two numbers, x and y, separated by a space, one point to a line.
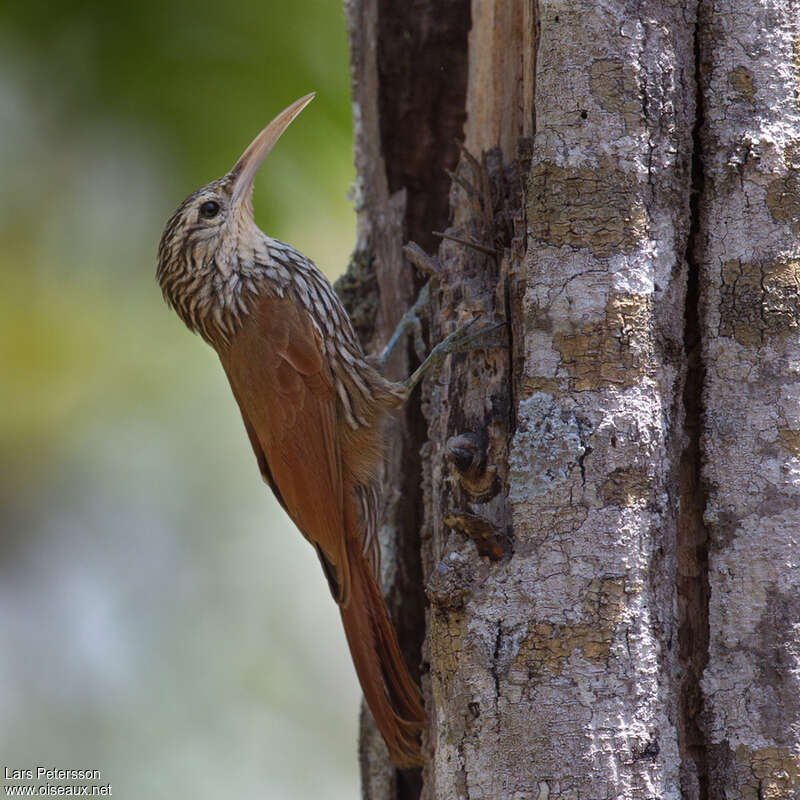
591 535
569 641
750 272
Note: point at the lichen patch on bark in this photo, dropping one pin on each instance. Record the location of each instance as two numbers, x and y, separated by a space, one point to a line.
597 207
613 351
535 383
614 87
783 196
767 773
546 448
796 60
627 486
790 441
741 81
548 645
759 300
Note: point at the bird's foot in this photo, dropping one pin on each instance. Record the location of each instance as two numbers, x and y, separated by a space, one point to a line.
462 340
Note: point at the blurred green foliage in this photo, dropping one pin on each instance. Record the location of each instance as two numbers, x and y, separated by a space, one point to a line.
198 79
112 113
149 611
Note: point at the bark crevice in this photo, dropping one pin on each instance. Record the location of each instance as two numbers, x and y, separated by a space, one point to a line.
692 544
406 125
420 121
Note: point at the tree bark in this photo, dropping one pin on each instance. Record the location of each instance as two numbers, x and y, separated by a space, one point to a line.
590 536
749 277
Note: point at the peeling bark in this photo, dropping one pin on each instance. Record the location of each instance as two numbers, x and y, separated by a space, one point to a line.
591 535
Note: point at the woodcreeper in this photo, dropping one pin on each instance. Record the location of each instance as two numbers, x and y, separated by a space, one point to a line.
312 403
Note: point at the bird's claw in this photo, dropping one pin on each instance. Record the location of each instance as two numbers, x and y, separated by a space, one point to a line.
465 338
461 340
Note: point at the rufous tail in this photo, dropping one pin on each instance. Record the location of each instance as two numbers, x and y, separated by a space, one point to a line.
391 694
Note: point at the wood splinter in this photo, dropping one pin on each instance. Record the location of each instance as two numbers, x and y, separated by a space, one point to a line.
467 243
488 539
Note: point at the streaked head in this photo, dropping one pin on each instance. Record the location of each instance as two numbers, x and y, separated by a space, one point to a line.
201 239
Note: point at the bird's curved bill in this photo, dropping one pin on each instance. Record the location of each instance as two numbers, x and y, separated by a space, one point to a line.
244 171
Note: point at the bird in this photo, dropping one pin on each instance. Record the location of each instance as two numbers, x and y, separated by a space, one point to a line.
313 405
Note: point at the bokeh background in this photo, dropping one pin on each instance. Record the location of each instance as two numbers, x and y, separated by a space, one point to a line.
160 619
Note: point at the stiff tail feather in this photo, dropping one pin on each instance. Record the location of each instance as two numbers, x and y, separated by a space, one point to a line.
391 694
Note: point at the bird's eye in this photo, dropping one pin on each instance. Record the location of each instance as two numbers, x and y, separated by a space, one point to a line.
209 209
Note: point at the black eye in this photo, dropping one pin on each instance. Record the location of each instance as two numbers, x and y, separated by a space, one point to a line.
209 209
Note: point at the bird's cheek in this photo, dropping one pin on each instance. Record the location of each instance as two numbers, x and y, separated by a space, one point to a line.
225 257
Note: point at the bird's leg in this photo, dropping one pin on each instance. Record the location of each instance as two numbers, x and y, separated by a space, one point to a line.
427 265
461 340
409 323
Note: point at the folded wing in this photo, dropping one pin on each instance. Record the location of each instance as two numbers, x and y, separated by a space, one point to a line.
288 403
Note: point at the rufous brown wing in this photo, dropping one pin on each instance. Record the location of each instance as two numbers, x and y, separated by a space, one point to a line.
288 402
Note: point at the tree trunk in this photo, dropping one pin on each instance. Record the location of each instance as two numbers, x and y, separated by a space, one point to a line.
590 535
